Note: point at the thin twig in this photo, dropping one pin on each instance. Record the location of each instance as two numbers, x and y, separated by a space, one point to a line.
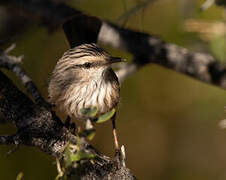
207 4
12 63
126 70
141 5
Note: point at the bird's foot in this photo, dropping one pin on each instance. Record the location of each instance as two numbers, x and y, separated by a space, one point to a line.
89 131
117 158
69 125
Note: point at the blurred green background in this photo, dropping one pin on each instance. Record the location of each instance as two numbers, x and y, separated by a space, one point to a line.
168 122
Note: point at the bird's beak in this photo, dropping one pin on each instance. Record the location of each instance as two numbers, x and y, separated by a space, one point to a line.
116 60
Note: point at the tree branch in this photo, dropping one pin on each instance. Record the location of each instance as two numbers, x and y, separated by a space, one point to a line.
12 63
150 49
44 12
144 47
8 140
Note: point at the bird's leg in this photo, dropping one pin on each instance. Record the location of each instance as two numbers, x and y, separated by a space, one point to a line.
89 124
116 144
89 131
73 128
59 169
70 126
67 122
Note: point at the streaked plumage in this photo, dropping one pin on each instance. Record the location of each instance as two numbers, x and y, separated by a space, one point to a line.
83 78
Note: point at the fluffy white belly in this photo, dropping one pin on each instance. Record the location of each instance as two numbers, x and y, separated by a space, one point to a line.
93 94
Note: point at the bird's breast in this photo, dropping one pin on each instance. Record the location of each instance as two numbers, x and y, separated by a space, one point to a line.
102 94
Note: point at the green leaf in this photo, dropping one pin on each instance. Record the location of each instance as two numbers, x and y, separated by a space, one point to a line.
218 46
91 135
89 112
67 153
81 155
19 176
88 133
106 116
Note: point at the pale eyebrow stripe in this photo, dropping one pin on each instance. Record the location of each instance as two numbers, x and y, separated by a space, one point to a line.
83 65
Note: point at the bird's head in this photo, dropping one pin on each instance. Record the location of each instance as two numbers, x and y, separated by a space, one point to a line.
89 60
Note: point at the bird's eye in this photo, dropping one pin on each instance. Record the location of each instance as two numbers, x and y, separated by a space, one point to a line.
87 65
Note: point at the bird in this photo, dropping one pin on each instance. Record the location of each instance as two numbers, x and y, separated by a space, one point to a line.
83 78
